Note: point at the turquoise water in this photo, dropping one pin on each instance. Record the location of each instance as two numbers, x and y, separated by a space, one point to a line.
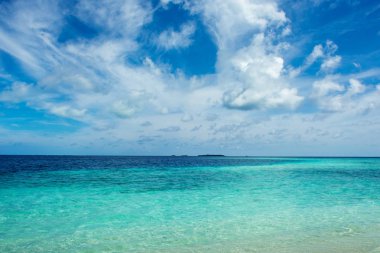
189 204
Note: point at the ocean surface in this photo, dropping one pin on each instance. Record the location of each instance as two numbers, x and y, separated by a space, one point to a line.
189 204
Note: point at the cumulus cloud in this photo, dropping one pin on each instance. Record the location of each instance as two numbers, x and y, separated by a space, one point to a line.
258 79
250 67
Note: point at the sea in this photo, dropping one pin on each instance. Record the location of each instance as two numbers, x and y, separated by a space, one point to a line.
189 204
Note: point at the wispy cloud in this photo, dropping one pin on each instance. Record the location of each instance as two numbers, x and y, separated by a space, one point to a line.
170 39
329 61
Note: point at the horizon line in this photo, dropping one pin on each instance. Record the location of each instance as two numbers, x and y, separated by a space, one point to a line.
200 156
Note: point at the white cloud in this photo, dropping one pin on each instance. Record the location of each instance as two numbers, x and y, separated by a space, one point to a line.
331 63
356 87
254 78
17 92
317 53
325 53
164 3
171 39
125 18
250 67
334 97
65 111
13 48
250 99
229 21
325 87
122 110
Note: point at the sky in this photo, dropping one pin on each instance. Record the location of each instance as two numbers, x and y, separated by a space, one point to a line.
163 77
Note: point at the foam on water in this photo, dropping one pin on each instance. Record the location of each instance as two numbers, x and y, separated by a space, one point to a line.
189 204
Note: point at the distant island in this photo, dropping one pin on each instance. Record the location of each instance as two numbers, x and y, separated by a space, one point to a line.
197 155
211 155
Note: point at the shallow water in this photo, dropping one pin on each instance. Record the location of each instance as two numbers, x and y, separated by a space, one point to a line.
189 204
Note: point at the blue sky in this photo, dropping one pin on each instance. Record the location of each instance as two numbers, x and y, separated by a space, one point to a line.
162 77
